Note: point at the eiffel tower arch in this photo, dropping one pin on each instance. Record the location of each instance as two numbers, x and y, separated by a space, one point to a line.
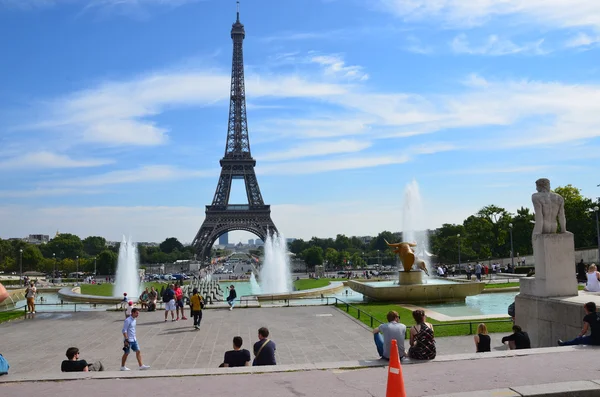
237 163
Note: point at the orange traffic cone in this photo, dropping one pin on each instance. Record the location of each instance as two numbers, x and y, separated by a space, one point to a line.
395 381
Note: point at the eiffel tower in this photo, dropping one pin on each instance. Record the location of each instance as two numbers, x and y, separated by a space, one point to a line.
221 217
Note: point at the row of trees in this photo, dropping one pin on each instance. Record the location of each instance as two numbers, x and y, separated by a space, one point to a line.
482 236
67 253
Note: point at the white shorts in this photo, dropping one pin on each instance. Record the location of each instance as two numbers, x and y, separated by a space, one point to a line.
170 305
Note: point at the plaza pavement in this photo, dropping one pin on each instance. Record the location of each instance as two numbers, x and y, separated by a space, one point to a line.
314 334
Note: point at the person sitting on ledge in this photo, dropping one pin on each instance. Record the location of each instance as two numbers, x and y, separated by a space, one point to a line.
482 339
237 357
74 364
422 340
384 334
591 322
518 340
593 279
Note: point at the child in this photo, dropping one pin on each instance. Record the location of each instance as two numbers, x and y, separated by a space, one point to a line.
124 300
128 310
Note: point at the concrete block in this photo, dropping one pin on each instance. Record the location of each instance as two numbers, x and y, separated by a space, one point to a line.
581 388
554 265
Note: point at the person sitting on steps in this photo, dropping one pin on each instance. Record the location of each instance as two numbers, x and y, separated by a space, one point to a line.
518 340
384 334
74 364
422 340
591 322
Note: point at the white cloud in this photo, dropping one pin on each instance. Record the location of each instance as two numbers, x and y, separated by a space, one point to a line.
317 148
150 173
45 192
117 113
334 65
47 160
495 45
583 40
337 164
551 13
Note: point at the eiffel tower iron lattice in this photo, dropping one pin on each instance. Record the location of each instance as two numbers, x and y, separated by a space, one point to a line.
221 217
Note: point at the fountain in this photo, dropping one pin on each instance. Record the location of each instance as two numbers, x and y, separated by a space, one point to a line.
405 290
254 287
413 219
275 276
128 277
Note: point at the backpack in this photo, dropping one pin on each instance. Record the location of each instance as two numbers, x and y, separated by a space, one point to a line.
3 366
165 297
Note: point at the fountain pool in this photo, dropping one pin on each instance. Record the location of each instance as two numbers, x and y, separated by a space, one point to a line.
484 304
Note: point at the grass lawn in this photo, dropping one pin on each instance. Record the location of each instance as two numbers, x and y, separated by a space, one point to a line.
6 316
310 283
503 285
380 310
107 289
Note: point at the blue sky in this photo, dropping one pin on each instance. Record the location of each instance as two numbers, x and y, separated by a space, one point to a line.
113 113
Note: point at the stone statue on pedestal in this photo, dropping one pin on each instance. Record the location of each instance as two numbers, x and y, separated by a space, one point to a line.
548 207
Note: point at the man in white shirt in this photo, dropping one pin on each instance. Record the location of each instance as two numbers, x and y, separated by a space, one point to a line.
130 342
30 293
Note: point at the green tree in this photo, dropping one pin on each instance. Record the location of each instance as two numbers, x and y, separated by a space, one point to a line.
66 245
93 245
357 260
580 221
342 242
332 257
378 243
522 231
171 244
32 258
313 256
106 262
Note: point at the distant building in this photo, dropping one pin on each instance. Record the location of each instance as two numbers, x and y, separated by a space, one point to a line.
290 240
38 238
366 239
147 244
259 242
224 239
250 241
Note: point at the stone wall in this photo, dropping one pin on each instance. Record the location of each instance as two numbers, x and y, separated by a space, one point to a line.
548 319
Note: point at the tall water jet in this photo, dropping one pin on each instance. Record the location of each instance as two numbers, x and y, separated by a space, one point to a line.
128 277
413 222
275 276
254 287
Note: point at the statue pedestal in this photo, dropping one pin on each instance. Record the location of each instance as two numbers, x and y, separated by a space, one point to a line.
554 256
410 278
548 306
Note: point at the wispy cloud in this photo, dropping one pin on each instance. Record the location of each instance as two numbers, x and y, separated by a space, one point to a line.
315 149
335 65
416 46
584 40
550 13
90 4
45 192
495 46
338 164
48 160
150 173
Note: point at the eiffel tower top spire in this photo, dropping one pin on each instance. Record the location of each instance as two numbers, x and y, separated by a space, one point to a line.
238 144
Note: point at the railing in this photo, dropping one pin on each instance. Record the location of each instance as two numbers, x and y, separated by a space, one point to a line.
373 320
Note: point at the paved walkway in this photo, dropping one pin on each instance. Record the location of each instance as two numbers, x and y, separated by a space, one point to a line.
303 335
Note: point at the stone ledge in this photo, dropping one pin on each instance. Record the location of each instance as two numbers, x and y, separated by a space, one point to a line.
582 388
357 364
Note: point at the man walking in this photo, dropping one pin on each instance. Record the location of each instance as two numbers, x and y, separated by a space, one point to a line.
393 329
169 300
196 304
231 297
478 271
130 341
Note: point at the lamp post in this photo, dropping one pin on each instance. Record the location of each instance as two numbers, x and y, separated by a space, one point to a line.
458 237
595 209
77 273
21 263
54 260
94 266
512 255
378 259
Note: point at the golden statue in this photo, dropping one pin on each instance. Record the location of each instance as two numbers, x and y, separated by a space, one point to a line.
407 256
